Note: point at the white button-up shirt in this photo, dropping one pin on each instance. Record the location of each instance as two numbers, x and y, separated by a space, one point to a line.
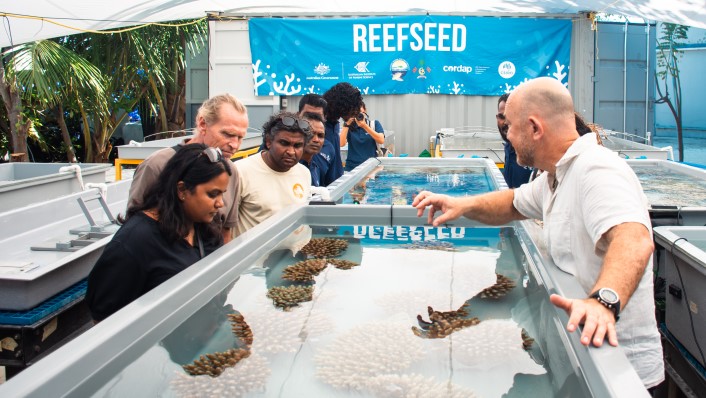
594 190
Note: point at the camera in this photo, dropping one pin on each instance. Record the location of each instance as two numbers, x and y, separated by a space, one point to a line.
361 116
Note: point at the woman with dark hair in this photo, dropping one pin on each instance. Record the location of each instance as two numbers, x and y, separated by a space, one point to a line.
167 233
363 137
343 101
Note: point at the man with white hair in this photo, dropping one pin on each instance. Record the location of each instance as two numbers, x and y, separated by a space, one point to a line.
596 223
221 122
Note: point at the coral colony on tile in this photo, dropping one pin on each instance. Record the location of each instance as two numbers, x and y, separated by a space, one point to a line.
499 289
325 247
287 297
304 271
443 323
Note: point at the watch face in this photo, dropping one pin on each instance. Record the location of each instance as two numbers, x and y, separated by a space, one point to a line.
608 295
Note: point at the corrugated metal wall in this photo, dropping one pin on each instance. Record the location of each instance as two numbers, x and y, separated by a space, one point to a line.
413 118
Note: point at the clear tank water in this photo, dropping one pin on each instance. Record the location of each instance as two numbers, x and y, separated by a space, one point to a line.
355 337
399 185
665 187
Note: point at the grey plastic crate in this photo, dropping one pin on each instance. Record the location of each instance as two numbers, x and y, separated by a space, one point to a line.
22 184
683 253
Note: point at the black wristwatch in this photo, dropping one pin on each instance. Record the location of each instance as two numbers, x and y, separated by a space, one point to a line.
609 298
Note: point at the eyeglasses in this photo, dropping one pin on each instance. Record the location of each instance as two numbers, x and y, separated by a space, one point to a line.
291 122
500 116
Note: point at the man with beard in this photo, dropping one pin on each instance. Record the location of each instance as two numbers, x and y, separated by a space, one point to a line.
274 179
596 223
221 122
311 158
515 175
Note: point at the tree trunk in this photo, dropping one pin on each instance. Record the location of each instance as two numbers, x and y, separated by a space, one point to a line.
680 139
87 141
19 126
162 109
177 114
66 138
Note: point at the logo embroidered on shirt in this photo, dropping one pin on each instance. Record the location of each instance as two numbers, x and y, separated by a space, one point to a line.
298 191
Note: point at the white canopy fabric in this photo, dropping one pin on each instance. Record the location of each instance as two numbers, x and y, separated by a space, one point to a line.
25 21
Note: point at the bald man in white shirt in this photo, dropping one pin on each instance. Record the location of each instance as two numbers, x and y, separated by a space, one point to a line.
596 223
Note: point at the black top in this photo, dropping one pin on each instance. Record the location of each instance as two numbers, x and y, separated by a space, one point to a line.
138 259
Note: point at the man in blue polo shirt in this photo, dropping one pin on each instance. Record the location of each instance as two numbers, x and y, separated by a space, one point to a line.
311 158
515 175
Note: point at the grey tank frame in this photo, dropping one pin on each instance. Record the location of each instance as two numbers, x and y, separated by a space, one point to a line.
25 183
84 365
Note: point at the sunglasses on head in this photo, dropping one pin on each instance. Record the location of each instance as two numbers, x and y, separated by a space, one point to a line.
289 121
214 155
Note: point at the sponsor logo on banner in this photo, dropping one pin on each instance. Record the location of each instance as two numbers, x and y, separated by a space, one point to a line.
398 69
457 68
322 69
506 69
362 71
421 71
361 67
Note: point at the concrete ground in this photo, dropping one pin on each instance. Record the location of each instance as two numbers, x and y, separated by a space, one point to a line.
127 173
694 148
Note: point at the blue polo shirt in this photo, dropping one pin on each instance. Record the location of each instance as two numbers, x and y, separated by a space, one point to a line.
332 149
318 167
515 175
361 146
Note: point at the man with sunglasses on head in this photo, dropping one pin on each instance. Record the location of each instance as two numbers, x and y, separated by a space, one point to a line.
515 175
308 103
274 179
221 122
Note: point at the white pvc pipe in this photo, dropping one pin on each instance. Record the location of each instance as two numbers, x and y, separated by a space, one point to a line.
74 168
103 187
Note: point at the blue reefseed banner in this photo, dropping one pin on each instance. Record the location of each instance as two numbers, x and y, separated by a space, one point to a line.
407 54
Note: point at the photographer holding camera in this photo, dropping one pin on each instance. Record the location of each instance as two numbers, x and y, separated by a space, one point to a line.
362 136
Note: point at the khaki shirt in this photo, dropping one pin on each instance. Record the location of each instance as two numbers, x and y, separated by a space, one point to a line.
265 191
